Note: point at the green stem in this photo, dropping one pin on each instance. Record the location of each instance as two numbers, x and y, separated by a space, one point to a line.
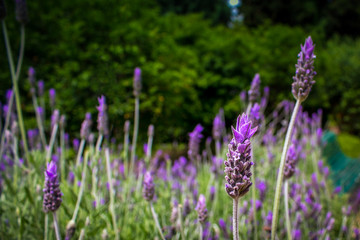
46 227
52 142
62 156
80 152
253 195
82 187
136 129
287 216
126 152
15 80
156 221
182 234
112 193
148 152
200 231
281 170
56 225
39 122
236 219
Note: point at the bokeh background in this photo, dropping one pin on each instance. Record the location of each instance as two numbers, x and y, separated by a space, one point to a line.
196 57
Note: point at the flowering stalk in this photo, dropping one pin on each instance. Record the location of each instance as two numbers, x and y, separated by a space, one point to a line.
287 216
56 225
55 119
126 144
303 81
238 164
15 78
137 89
149 145
112 193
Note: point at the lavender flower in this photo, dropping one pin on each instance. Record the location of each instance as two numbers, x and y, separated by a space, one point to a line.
31 73
102 116
2 9
304 74
254 92
223 227
255 114
52 193
238 163
195 138
55 118
21 11
41 86
52 95
137 82
261 186
85 126
290 162
218 127
149 187
201 209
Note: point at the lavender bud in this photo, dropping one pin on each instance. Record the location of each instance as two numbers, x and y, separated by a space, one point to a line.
70 230
149 187
195 138
137 82
21 11
304 74
218 127
238 163
62 121
85 126
102 116
254 92
55 118
187 207
290 162
52 193
2 9
31 74
41 86
255 114
201 209
212 193
52 95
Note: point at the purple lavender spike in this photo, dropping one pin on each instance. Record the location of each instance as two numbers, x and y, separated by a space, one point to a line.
52 193
86 127
149 187
41 86
31 74
102 116
254 91
195 138
238 163
52 96
137 81
218 126
201 209
304 74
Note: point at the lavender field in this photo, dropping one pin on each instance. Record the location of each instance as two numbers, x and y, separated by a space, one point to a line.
260 174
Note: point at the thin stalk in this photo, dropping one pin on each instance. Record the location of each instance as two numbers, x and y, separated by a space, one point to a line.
343 223
287 216
217 148
46 227
15 80
51 144
156 220
281 170
200 231
56 225
136 129
148 151
80 152
39 122
253 196
82 187
98 145
182 234
236 219
126 152
82 234
62 156
112 193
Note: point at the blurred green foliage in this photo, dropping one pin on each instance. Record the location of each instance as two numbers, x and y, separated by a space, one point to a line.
350 145
191 66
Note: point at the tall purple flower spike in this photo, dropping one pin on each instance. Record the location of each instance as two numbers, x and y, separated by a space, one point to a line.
52 95
149 187
86 126
201 209
238 163
52 193
195 138
304 74
254 92
218 127
102 116
137 81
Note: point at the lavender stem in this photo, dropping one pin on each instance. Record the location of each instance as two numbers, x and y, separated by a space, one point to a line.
156 220
39 122
287 216
200 231
15 78
46 227
112 193
80 152
56 225
52 142
281 170
235 219
136 129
